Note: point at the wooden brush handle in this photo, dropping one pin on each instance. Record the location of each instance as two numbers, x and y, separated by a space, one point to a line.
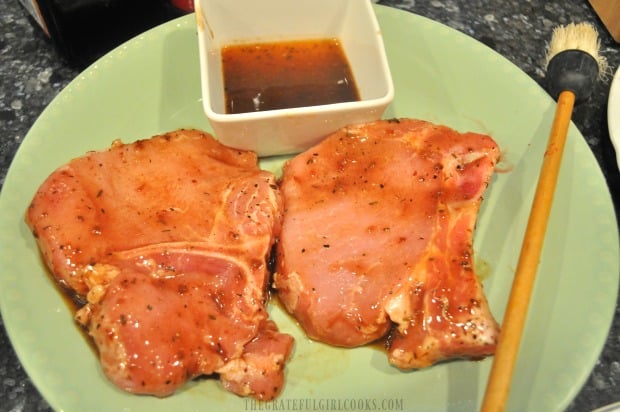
498 385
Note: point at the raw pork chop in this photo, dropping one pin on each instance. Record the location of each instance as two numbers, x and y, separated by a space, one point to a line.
377 239
166 240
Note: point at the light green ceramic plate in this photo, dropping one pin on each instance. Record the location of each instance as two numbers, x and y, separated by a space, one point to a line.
151 85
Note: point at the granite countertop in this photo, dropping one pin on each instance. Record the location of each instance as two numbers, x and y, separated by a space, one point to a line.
32 74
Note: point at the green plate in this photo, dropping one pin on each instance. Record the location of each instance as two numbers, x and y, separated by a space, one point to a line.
151 85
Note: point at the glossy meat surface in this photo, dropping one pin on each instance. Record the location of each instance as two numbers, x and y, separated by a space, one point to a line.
377 240
166 240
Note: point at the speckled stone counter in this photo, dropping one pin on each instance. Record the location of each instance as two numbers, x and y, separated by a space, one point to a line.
31 75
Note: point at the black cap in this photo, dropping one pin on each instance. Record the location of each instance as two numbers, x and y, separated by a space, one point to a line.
573 70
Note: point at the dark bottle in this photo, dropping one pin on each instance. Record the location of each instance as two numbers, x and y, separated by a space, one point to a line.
84 30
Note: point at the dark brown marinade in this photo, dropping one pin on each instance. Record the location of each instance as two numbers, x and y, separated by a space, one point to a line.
279 75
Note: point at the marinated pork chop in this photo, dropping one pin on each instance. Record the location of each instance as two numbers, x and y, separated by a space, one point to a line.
166 241
377 239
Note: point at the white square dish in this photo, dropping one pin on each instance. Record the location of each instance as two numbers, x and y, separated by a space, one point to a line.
283 131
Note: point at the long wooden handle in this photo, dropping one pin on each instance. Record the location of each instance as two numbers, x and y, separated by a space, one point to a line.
500 378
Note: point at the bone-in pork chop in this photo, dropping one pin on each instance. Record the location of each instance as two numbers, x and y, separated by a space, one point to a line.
377 240
166 241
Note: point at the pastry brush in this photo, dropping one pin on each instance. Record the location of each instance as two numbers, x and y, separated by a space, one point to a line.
573 67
